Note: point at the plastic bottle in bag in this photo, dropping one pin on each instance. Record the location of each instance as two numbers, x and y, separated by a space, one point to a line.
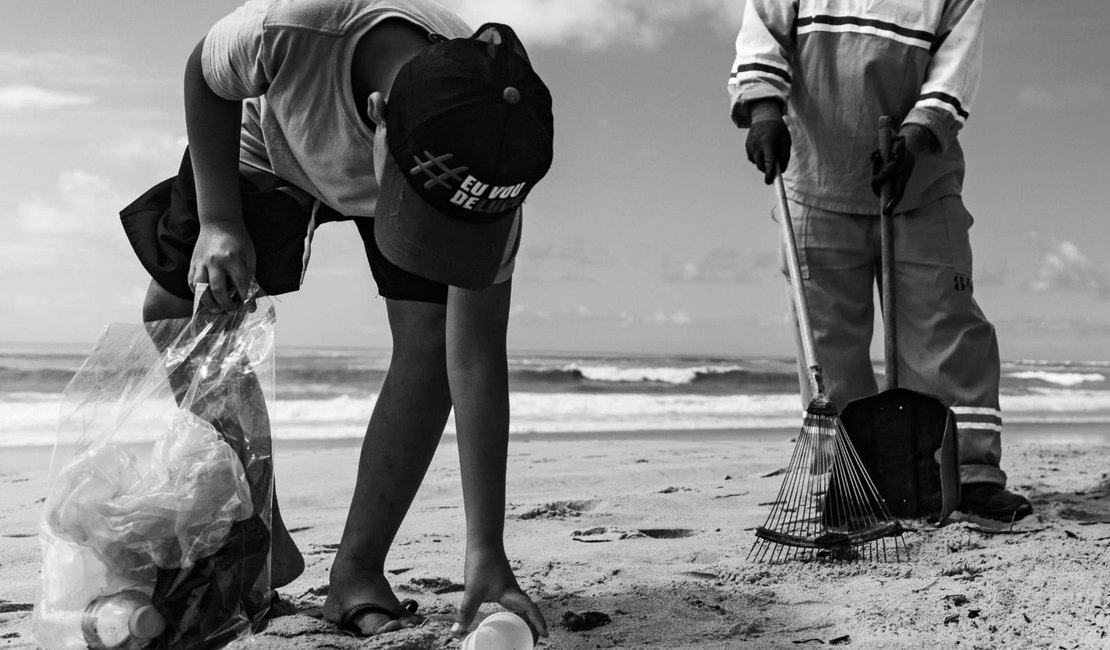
124 620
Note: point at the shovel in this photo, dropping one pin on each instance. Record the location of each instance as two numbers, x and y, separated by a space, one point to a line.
906 439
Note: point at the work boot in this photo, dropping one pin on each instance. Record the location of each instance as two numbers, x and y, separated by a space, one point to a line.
993 502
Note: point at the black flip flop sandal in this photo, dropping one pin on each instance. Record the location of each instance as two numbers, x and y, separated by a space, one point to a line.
406 607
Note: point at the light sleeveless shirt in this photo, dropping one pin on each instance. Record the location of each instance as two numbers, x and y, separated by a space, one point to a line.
290 63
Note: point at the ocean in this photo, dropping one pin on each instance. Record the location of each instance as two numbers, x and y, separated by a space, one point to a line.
328 393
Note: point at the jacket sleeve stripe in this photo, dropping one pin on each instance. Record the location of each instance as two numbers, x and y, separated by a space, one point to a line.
822 19
764 50
951 101
952 79
761 67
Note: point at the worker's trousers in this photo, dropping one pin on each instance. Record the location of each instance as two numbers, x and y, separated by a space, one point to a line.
946 346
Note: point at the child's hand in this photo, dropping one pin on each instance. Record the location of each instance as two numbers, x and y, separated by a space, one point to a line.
223 258
489 579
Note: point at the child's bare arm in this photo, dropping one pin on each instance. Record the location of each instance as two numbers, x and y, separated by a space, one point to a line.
477 371
224 255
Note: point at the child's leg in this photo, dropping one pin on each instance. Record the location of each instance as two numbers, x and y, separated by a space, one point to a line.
286 562
163 305
401 438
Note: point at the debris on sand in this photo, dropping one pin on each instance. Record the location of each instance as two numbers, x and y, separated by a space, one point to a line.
585 621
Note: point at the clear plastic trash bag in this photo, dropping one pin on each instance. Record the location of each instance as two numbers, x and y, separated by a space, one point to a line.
162 480
180 510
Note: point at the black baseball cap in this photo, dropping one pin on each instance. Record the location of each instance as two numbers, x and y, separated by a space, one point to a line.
470 134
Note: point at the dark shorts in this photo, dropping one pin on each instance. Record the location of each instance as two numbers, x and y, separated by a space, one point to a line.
162 226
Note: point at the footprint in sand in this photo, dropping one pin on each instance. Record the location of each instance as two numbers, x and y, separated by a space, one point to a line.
9 607
668 533
559 510
320 549
436 585
613 533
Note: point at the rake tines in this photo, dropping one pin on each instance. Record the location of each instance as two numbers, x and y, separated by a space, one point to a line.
827 507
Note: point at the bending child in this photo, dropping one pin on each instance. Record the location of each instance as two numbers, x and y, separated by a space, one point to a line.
396 116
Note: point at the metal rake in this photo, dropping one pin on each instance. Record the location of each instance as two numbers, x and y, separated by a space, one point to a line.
828 507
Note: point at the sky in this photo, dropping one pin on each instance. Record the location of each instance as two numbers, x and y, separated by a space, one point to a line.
651 233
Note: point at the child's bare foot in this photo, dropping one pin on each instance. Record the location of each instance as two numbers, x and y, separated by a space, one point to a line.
361 601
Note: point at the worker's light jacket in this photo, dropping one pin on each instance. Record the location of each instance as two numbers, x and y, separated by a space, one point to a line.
838 65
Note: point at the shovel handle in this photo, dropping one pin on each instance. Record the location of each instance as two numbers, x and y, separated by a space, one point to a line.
886 224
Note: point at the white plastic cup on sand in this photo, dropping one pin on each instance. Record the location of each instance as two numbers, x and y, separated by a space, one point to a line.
500 631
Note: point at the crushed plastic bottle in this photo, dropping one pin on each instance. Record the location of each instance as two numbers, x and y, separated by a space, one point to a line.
125 620
75 579
500 631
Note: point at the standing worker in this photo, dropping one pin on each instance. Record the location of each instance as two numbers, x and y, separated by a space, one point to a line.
810 82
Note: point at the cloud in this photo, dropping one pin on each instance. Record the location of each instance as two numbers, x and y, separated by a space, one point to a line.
1065 267
995 273
570 261
1083 94
595 24
20 97
145 147
718 265
59 68
582 314
577 250
1055 324
81 206
526 313
679 318
578 313
76 227
94 89
34 83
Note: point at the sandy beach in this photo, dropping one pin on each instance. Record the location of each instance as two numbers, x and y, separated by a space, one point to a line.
670 569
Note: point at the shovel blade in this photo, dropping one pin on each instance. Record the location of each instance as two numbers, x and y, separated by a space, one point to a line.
907 442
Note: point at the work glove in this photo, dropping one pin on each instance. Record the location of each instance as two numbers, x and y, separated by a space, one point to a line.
895 170
768 147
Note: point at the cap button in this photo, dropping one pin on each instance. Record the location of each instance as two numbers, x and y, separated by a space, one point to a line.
511 95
